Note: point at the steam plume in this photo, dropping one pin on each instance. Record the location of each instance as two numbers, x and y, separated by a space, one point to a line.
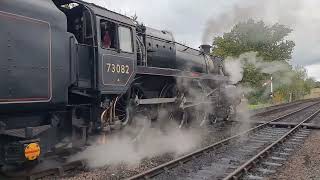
121 149
271 11
234 66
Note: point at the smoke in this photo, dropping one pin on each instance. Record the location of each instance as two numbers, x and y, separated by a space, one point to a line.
271 11
234 66
216 26
120 149
300 15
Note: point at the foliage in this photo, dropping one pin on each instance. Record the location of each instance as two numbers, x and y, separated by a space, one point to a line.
271 45
258 106
316 84
252 76
299 85
268 41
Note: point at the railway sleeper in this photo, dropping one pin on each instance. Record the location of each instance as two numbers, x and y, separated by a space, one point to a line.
265 171
272 164
276 158
254 177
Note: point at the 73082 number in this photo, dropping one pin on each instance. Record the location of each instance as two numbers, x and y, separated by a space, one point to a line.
117 68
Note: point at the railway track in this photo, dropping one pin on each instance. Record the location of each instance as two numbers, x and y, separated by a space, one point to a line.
240 156
64 166
268 159
281 108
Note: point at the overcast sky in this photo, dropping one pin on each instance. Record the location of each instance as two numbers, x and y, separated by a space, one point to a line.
194 22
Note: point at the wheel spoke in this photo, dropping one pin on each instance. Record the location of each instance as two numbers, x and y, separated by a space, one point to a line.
120 110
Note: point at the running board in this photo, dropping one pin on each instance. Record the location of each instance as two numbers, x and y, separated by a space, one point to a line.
155 101
152 101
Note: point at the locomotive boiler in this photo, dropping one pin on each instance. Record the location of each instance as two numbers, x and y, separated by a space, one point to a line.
71 70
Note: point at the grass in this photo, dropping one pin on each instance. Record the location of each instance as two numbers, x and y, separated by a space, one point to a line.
258 106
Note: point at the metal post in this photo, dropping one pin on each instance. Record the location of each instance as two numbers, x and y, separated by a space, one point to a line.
271 87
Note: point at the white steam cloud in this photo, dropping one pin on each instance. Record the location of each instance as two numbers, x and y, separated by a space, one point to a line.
300 15
120 149
235 66
271 11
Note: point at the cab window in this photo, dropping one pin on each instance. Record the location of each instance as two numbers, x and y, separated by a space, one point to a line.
125 39
108 34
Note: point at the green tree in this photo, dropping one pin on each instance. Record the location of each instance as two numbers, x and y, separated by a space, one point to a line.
271 44
268 41
316 84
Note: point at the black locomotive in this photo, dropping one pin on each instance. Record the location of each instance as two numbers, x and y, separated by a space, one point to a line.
70 70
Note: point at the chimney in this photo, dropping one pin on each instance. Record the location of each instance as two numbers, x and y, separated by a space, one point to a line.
205 48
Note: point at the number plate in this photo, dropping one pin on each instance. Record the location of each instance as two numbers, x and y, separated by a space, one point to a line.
116 70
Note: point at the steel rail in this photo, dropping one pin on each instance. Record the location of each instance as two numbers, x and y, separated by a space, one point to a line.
164 167
251 162
276 108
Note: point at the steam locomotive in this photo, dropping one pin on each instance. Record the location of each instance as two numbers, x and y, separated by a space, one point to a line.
70 70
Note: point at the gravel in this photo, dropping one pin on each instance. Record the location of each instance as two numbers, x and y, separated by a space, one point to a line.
305 162
216 132
120 171
215 164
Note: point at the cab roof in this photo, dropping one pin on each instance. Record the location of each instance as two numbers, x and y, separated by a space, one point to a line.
100 11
